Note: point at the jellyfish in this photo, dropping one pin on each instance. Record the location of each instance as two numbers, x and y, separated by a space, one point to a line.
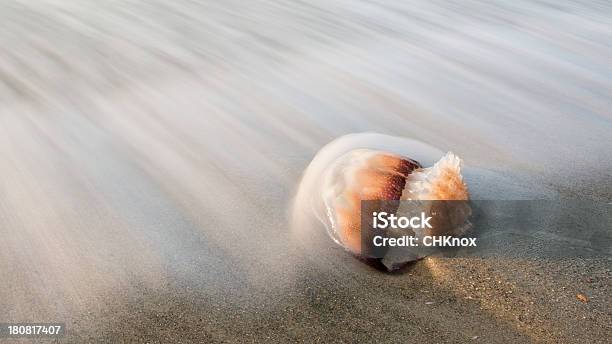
375 167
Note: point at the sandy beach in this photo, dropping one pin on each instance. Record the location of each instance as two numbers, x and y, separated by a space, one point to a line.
150 152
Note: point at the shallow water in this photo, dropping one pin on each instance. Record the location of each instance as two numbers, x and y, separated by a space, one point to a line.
150 150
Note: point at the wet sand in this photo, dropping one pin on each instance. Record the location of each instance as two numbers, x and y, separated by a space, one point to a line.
149 153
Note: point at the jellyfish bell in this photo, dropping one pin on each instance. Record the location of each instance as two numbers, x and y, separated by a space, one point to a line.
372 167
361 175
372 175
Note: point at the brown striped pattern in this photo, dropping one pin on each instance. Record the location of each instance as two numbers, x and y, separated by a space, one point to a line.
383 177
